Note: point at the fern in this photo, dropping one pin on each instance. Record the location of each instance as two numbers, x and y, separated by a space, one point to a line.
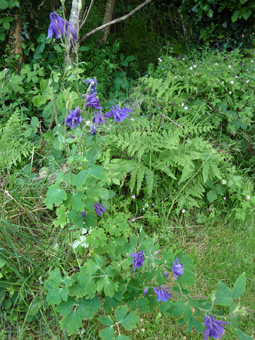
13 145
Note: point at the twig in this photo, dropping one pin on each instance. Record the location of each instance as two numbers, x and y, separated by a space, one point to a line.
87 15
100 28
162 115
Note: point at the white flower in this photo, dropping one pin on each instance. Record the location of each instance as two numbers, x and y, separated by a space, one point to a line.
251 61
232 82
230 92
248 197
247 69
146 205
183 211
236 76
185 107
133 220
194 66
183 104
216 64
229 66
222 82
247 81
160 60
132 119
183 58
191 68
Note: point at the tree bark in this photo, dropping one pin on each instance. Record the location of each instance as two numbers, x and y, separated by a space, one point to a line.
109 9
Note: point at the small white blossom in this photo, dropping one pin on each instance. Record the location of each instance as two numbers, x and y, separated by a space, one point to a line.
247 81
230 92
183 58
248 197
224 198
133 220
194 66
160 60
183 211
236 77
185 107
247 69
183 104
232 82
251 61
222 82
191 68
216 64
146 205
133 196
132 119
229 66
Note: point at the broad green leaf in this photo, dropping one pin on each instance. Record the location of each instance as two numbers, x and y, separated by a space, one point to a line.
34 122
225 289
239 287
222 299
77 290
120 312
107 334
56 295
188 277
106 320
122 337
187 312
106 284
198 326
91 267
98 172
54 279
71 322
130 321
87 308
65 307
211 196
80 179
56 196
3 4
77 201
242 336
88 283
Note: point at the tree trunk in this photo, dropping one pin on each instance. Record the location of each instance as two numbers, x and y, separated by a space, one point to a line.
109 9
74 19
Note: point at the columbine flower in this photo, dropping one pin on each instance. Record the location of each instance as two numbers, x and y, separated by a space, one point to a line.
248 197
166 273
118 114
59 27
83 214
162 293
98 118
74 118
99 209
145 291
213 327
177 268
93 129
93 101
93 84
138 259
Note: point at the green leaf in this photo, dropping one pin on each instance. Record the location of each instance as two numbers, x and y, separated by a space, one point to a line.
34 122
91 267
211 196
222 299
130 321
2 36
87 308
188 277
3 4
71 322
98 172
56 196
65 307
120 312
106 320
242 336
107 333
54 279
108 285
56 295
80 179
239 287
122 337
77 201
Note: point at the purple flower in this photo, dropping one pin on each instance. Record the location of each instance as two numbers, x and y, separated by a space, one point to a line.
93 84
59 27
93 129
98 118
93 101
213 327
118 114
138 259
83 214
177 268
162 293
99 209
145 291
74 118
166 273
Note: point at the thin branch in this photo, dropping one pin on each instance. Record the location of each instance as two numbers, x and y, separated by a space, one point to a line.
87 14
162 115
100 28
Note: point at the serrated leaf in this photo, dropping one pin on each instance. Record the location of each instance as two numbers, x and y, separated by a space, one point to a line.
54 279
239 287
107 334
56 295
120 312
87 308
106 320
130 321
65 307
56 196
71 322
91 267
106 284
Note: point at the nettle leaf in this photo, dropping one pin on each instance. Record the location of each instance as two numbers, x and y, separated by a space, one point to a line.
56 196
108 285
239 287
107 334
130 321
56 295
71 322
242 336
